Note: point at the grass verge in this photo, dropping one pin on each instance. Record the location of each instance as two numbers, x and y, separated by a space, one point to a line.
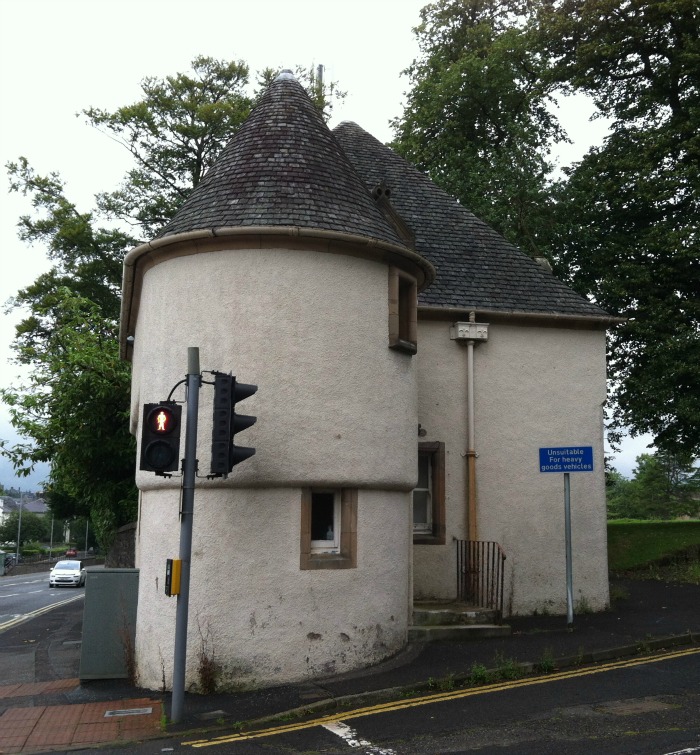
651 544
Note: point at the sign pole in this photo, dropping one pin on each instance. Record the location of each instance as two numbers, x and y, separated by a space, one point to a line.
566 459
188 479
569 568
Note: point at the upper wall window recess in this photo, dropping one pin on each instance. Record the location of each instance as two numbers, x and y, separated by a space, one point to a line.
403 311
429 495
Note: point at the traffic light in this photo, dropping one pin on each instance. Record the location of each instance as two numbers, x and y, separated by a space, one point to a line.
160 437
225 454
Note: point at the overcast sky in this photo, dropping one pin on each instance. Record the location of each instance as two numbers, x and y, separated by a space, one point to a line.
58 57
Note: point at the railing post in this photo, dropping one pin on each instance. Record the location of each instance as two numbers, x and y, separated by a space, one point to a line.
481 573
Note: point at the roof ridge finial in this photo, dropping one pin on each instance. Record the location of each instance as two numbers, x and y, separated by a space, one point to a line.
285 75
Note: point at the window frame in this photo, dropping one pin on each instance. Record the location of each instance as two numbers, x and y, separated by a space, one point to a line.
403 311
435 451
312 553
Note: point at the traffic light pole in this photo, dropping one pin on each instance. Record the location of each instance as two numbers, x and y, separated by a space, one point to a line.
188 480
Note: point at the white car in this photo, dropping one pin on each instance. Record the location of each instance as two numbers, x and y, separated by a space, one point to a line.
69 573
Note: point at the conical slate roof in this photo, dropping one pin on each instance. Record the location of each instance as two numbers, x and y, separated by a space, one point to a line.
283 168
476 267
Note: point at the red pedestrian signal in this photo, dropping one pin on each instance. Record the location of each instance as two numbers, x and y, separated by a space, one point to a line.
160 437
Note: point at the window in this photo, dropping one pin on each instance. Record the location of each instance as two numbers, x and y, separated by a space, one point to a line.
429 495
325 521
422 497
403 311
328 528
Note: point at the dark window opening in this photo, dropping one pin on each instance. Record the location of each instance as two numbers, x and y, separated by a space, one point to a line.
322 516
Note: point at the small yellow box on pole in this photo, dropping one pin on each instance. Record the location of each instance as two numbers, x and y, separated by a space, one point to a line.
173 568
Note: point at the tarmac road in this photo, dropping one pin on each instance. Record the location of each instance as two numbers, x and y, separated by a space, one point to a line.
645 705
24 595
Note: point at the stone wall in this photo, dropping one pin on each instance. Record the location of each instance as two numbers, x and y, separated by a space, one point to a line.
122 554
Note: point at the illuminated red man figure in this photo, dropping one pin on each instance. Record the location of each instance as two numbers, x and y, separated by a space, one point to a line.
162 420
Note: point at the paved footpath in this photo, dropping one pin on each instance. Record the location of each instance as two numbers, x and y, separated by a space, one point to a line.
43 728
43 705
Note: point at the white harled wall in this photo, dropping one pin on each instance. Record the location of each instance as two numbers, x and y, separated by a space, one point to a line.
335 407
534 387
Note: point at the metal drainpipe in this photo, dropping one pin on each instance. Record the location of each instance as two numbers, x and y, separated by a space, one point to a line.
470 333
472 529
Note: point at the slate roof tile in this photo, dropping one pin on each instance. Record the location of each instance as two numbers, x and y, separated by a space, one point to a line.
476 267
283 168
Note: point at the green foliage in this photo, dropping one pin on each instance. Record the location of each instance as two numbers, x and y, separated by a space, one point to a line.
87 259
621 226
547 663
477 117
174 133
630 210
444 684
479 674
508 669
632 544
664 487
75 407
34 527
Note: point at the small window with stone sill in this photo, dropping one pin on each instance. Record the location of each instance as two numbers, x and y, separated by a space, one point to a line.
328 528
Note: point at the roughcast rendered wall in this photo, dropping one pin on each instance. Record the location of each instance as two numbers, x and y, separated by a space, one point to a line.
251 608
334 403
336 408
534 387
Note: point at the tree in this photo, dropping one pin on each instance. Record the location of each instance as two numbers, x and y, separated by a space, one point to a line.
177 129
622 226
34 528
630 210
618 495
663 487
477 117
77 383
74 407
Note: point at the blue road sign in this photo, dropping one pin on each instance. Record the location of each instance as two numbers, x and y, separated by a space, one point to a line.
566 459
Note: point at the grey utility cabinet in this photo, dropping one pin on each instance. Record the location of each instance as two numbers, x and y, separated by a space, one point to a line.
109 623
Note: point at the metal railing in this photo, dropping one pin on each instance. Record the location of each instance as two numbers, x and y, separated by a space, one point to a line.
480 573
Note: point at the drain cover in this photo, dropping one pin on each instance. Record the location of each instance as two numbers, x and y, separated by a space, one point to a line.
128 712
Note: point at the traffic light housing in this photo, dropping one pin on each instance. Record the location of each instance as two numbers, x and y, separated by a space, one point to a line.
225 454
160 437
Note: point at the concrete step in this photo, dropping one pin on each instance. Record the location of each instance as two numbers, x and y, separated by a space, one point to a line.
443 614
456 632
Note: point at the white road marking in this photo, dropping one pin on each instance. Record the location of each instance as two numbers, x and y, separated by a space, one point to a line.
17 584
10 595
684 752
352 740
26 616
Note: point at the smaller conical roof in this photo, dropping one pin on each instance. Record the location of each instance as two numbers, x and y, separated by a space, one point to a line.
283 167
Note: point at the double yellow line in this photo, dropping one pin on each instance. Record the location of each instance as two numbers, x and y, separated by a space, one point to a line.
441 697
